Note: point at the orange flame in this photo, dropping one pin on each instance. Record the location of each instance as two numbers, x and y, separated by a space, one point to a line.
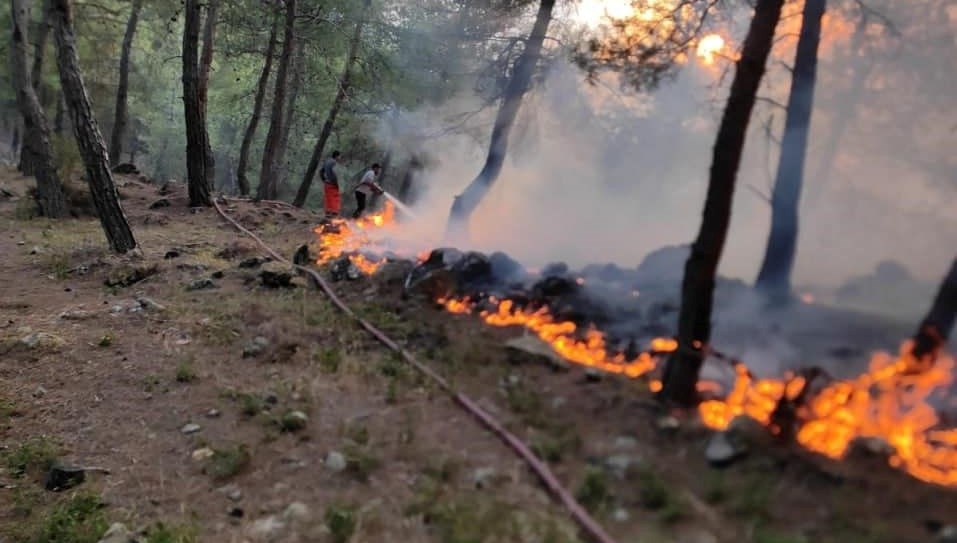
889 401
349 236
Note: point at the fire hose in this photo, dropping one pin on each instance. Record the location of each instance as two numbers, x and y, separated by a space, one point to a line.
540 468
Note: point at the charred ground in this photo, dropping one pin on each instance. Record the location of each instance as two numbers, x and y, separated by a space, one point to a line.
110 376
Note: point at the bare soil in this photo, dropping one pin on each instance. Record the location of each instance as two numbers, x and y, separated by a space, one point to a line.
113 388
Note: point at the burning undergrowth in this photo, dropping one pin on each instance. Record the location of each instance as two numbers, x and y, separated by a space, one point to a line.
597 318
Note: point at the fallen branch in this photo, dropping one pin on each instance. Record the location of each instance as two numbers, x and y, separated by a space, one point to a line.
575 509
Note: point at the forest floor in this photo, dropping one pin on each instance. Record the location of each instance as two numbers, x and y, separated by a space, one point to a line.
113 377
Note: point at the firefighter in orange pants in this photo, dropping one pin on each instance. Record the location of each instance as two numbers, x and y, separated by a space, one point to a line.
332 200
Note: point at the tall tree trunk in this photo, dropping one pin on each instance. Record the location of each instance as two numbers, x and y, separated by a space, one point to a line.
121 116
267 174
205 62
29 159
697 289
344 83
465 203
88 137
196 137
39 47
250 133
936 326
295 84
50 198
774 278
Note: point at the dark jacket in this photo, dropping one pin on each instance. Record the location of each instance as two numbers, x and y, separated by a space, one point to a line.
328 173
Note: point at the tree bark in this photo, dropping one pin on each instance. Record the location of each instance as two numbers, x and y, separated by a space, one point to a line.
465 203
49 196
697 289
268 185
88 137
121 115
295 84
205 62
196 137
344 83
59 121
774 278
250 133
39 47
936 326
30 161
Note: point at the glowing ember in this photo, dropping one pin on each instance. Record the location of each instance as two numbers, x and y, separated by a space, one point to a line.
349 236
709 47
889 402
587 349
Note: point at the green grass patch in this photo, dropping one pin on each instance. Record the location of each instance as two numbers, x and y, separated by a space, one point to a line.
228 462
594 493
172 533
79 518
185 372
341 521
34 456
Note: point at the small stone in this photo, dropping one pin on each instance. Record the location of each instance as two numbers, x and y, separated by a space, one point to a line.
255 347
201 284
150 304
41 340
592 375
721 451
947 534
267 529
213 413
218 274
252 262
190 428
173 253
117 533
870 446
162 202
39 392
76 315
235 512
619 463
625 442
271 398
668 423
203 454
558 402
21 243
235 495
482 477
296 512
620 515
293 421
62 477
271 279
36 250
335 461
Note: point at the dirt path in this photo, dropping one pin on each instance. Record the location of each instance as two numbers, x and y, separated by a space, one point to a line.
110 376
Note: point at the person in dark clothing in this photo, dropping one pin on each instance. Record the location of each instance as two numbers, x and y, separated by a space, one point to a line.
366 188
332 200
